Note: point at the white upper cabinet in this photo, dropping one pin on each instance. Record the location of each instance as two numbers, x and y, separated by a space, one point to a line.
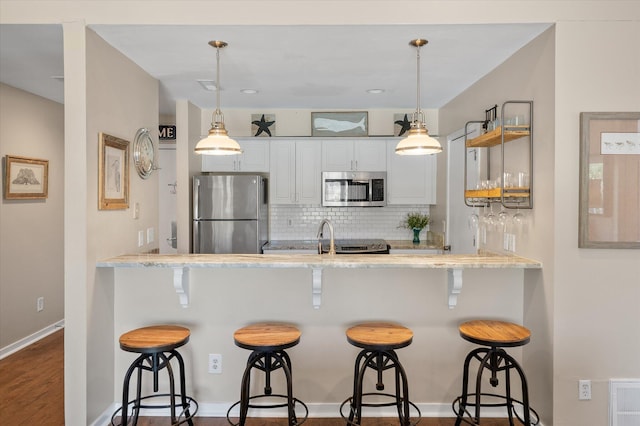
254 158
295 172
411 179
343 155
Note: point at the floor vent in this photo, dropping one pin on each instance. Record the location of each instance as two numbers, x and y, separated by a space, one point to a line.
624 402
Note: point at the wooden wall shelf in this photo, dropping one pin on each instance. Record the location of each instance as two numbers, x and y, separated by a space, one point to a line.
494 137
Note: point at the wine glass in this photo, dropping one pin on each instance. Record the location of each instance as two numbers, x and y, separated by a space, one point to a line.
473 221
503 218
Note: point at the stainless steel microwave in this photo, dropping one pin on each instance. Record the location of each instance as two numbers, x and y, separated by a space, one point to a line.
357 189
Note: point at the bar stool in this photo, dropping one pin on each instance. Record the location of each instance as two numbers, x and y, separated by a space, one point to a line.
494 336
157 347
268 342
378 341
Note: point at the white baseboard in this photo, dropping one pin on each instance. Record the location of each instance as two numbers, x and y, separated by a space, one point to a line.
319 410
23 343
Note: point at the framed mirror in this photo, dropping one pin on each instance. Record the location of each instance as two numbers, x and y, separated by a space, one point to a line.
609 215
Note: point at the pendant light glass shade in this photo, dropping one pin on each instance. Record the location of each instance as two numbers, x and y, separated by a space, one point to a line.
418 141
218 141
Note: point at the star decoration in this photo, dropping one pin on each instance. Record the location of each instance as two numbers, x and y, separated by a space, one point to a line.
263 126
405 124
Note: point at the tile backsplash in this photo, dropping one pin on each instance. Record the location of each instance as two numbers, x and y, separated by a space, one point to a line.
300 222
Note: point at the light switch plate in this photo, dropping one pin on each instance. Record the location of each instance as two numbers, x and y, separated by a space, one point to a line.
140 238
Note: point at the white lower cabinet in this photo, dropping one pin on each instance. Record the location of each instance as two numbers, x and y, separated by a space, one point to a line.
254 158
411 179
295 176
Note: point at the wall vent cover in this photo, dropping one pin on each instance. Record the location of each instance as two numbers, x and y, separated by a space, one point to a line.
624 402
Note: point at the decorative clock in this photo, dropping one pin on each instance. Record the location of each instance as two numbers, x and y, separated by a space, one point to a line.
144 153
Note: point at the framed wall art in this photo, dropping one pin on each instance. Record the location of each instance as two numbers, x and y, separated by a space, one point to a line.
113 173
609 215
339 123
26 178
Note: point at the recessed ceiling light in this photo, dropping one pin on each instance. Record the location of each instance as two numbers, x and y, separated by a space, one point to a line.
375 91
209 85
249 91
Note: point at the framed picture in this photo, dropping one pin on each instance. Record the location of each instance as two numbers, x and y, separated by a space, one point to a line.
609 215
339 123
26 178
113 173
263 125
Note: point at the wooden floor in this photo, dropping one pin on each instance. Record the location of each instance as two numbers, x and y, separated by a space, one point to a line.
31 384
32 393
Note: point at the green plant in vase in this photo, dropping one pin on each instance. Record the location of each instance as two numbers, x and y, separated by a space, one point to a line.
415 221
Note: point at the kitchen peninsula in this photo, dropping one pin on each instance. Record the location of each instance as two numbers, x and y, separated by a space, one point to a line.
323 295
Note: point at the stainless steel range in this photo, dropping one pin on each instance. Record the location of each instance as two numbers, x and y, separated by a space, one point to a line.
358 246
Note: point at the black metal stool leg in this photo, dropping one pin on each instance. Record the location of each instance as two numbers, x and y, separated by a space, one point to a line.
183 387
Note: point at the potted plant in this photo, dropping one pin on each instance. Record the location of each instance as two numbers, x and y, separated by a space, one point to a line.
415 221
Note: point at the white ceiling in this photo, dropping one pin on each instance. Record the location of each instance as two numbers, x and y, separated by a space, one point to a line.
306 67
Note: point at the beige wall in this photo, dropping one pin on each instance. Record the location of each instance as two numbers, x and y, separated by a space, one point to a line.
225 299
31 256
596 292
119 99
527 75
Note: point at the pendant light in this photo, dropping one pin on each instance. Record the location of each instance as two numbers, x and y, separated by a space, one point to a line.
418 141
218 141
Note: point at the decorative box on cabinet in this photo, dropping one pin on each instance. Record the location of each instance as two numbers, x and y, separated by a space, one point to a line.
490 187
364 155
411 179
295 172
254 158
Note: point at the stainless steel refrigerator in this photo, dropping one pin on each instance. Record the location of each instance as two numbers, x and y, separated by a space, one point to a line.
230 213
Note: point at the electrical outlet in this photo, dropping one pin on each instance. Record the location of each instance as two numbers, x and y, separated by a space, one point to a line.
40 304
150 235
140 238
215 363
584 389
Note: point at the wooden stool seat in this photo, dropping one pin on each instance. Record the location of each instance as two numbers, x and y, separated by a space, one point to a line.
155 338
494 333
379 335
267 336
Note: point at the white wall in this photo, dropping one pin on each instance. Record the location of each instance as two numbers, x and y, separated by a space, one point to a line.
31 261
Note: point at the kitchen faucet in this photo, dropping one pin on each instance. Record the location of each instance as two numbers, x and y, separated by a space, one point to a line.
332 245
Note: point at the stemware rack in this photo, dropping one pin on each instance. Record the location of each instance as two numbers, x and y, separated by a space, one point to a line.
498 133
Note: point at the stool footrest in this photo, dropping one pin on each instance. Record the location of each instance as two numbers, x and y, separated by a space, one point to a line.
393 403
187 413
502 401
268 406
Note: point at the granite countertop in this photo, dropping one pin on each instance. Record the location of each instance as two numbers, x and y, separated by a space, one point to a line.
316 261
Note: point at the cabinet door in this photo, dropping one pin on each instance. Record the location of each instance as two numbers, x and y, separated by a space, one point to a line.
308 172
411 179
282 175
255 157
220 163
337 155
370 155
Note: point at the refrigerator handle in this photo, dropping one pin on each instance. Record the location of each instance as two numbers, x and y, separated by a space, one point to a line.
196 198
196 236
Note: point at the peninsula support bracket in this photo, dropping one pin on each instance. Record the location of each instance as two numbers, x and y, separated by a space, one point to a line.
181 285
454 283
